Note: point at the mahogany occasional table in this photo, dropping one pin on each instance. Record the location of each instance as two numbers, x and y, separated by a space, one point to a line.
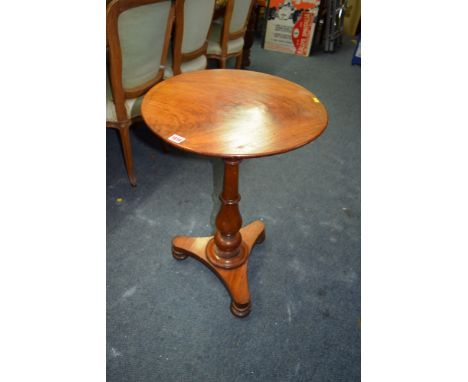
233 115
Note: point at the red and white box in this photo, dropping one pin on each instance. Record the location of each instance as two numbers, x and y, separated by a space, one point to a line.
291 25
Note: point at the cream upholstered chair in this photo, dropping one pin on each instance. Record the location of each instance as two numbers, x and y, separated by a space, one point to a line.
226 38
192 24
138 33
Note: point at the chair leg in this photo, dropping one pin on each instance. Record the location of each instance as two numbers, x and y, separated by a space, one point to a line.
222 62
239 60
124 133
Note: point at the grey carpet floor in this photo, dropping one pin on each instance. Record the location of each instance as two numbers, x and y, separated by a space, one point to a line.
170 320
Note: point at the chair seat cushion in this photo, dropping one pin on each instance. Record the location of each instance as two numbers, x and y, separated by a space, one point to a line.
214 46
198 63
133 105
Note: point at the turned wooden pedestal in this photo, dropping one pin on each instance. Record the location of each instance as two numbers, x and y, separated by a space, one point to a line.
227 252
233 115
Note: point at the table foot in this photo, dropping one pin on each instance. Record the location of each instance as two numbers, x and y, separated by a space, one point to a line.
234 279
261 238
178 255
240 310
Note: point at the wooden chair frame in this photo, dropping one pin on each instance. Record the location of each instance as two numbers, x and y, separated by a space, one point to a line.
226 36
119 94
178 58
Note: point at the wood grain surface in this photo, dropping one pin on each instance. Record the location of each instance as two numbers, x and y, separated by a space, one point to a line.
235 280
234 113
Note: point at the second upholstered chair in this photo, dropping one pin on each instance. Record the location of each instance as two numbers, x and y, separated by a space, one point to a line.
192 24
226 38
138 33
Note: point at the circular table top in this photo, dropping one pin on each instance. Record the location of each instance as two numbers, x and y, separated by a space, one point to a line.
233 113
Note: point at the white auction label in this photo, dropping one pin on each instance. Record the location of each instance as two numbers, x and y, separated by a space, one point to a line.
176 138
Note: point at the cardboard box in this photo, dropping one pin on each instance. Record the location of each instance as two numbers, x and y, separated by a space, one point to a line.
290 25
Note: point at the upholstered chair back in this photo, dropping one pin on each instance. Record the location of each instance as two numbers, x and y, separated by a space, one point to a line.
240 14
138 33
197 15
226 38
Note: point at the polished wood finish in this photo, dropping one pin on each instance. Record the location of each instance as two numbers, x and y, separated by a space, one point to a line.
227 244
233 115
226 36
234 279
178 58
119 93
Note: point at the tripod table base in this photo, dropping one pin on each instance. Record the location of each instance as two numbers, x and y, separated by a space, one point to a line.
234 279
